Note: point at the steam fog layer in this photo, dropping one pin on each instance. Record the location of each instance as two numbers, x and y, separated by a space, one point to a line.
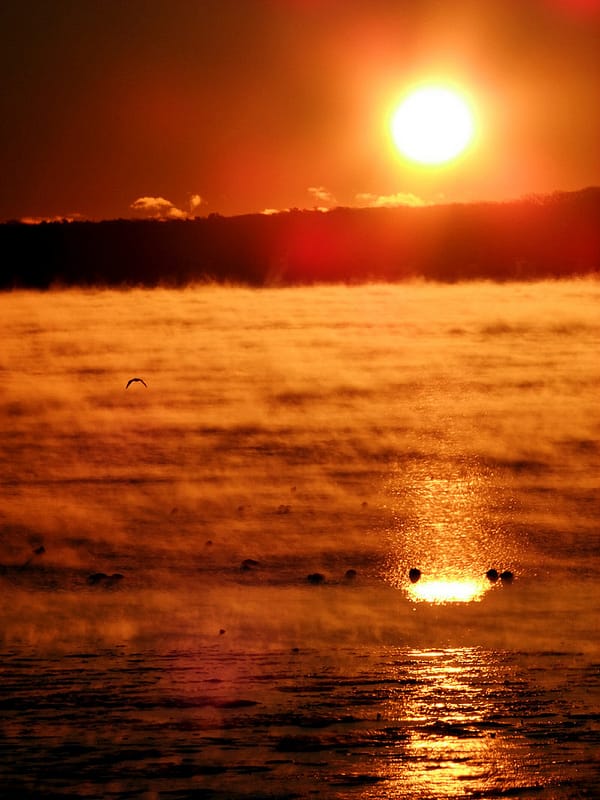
313 430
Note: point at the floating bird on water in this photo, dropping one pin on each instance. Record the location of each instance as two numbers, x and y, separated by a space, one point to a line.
136 380
38 551
102 579
414 574
248 564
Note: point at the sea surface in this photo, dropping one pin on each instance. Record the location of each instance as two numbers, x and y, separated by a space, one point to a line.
204 577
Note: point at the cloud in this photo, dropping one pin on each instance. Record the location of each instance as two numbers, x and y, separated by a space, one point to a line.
195 201
369 200
161 208
323 200
322 196
57 218
155 207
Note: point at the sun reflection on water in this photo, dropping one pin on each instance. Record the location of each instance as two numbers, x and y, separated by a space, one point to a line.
447 528
453 746
448 591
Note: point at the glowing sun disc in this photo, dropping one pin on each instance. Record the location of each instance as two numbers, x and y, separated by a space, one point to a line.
432 125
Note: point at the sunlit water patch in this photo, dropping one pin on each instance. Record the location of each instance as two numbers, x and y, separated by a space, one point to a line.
453 591
447 535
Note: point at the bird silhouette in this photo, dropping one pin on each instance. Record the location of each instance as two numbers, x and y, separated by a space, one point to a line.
414 574
136 380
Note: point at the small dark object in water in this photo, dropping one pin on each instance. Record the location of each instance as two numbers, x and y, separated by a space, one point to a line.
249 563
350 574
414 574
96 578
506 576
315 578
101 578
364 504
136 380
208 543
492 575
284 509
37 551
222 631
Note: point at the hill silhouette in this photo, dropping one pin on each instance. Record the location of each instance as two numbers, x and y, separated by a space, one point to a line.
552 236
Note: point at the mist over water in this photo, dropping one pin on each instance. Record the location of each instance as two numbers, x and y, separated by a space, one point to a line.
293 432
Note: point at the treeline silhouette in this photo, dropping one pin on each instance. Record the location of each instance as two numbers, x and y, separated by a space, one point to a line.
552 236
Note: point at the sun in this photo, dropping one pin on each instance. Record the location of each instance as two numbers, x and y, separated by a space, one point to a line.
432 125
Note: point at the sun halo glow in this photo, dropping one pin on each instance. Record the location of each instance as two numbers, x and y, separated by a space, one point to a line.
432 125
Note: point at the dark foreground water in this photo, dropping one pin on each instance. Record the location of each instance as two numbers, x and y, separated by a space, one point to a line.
159 634
384 722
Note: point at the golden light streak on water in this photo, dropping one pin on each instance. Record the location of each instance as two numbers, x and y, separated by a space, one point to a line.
448 591
451 749
446 526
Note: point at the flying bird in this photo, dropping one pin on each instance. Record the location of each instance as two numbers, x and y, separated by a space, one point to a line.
134 380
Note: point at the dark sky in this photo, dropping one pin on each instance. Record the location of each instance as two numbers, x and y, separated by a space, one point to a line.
237 106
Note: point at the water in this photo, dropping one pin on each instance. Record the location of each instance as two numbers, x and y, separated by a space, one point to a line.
361 722
350 432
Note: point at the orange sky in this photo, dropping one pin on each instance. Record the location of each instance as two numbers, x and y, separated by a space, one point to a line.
236 106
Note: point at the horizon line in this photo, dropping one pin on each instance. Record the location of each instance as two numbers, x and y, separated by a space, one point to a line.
528 197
